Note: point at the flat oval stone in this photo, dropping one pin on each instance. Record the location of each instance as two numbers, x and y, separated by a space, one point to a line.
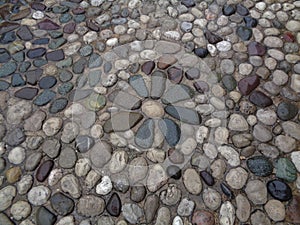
286 170
174 172
148 67
4 55
36 53
44 170
56 55
192 74
279 190
244 33
256 49
170 130
248 84
250 22
242 10
48 25
144 136
184 114
260 166
3 85
207 177
69 28
260 99
58 105
122 121
114 205
166 61
229 10
47 82
175 75
152 109
62 204
188 3
226 190
177 93
229 82
201 86
7 69
286 111
125 100
138 84
158 84
44 98
44 216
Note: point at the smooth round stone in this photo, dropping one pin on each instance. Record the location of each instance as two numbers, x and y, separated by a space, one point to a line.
212 38
44 216
13 174
152 109
275 210
138 193
58 105
114 205
201 52
47 82
258 98
62 204
286 111
279 190
286 170
44 170
260 166
38 195
244 33
175 75
148 67
174 172
292 211
192 74
250 22
56 55
67 158
229 10
203 217
248 84
83 143
44 98
15 137
229 82
20 210
36 53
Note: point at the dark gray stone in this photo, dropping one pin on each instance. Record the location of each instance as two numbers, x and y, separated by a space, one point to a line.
144 136
183 114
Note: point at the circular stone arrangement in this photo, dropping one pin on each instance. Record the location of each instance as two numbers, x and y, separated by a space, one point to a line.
149 112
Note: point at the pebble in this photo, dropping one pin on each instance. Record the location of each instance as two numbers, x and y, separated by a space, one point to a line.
211 198
70 184
105 186
113 206
7 195
230 154
39 195
292 211
227 213
24 184
16 155
260 166
185 207
236 178
202 217
256 192
52 126
243 208
192 182
287 111
275 210
132 213
90 206
62 204
279 190
13 174
44 216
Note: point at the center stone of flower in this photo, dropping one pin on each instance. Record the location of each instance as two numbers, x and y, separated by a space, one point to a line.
152 109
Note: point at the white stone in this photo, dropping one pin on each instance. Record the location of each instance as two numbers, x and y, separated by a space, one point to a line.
223 46
200 22
238 123
121 64
295 82
120 29
16 155
214 122
188 146
133 24
38 15
276 54
177 221
52 126
245 68
144 18
134 4
201 134
172 35
261 6
96 131
212 49
157 177
7 194
118 161
275 210
112 42
38 195
105 186
236 178
103 18
97 2
24 184
221 135
90 36
296 159
67 220
82 167
227 214
149 54
136 46
293 25
74 47
230 154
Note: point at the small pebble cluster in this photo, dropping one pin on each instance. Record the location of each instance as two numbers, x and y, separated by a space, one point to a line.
182 112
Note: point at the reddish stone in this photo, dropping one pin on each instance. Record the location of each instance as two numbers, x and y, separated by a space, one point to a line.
148 67
166 61
288 37
175 75
69 28
38 6
256 48
248 84
203 217
48 25
260 99
293 210
44 170
201 86
5 12
78 11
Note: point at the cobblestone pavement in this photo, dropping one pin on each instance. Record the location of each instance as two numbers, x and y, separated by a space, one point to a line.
181 112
